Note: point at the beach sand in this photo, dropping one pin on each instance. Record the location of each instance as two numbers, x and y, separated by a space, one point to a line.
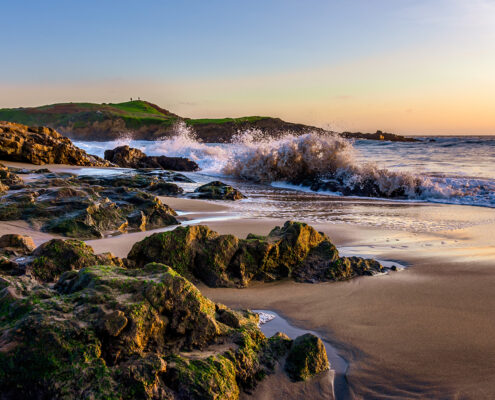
424 332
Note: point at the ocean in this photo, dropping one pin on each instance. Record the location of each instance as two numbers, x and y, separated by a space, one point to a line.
436 171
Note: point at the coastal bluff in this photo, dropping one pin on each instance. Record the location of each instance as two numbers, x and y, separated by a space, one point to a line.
142 120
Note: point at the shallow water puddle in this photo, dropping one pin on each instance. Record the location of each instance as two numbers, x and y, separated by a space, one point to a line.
271 323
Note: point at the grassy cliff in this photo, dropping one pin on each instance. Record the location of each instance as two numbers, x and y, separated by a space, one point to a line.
138 119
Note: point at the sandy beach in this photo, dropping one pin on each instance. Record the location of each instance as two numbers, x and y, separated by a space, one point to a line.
423 332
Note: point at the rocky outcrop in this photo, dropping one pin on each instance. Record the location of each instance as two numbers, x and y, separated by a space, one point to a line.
8 179
53 258
41 145
74 209
378 135
217 190
307 357
128 157
295 251
17 245
159 185
109 332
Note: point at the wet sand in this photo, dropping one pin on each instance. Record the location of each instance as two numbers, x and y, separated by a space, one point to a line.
425 332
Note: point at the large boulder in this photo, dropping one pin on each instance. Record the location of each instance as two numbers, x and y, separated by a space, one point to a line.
295 251
53 258
307 357
107 332
41 145
128 157
217 190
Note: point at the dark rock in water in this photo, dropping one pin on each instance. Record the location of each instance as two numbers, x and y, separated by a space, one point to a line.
86 212
107 332
17 245
295 250
218 191
366 186
42 145
307 357
128 157
378 135
125 156
165 189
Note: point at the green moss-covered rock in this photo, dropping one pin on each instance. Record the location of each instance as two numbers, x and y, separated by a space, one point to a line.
307 357
86 212
295 250
53 258
107 332
196 252
217 190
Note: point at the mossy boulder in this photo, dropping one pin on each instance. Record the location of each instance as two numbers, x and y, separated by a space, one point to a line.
108 332
165 189
217 190
53 258
307 357
295 250
196 252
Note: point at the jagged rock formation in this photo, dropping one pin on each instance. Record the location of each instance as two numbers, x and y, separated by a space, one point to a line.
295 251
107 332
8 179
41 145
128 157
217 190
73 207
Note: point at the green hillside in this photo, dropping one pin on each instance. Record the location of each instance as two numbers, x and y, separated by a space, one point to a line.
134 114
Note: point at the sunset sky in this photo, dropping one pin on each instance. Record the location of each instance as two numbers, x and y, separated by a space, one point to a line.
411 67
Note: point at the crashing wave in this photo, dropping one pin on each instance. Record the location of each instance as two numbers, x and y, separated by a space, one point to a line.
321 162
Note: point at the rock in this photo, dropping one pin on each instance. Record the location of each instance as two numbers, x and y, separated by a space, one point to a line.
125 156
8 179
165 189
128 157
86 211
295 251
109 332
378 135
218 191
53 258
13 244
307 357
42 145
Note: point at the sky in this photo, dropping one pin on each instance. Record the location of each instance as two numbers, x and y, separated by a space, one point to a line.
410 67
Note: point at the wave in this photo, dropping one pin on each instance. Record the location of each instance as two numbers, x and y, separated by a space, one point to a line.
321 162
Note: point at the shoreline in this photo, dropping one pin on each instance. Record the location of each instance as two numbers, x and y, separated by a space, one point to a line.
421 332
